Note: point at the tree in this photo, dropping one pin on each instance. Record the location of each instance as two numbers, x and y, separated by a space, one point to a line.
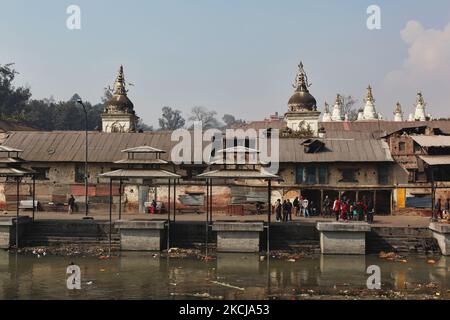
230 120
12 100
348 103
171 119
141 126
107 95
208 118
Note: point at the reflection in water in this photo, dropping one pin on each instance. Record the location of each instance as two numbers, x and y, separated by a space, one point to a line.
145 276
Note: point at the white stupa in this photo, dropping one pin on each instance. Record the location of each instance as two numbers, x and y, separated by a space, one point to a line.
369 108
326 113
398 114
360 115
337 109
419 113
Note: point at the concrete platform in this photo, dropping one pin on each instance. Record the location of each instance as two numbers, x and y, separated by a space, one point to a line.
238 236
441 232
343 238
8 230
141 235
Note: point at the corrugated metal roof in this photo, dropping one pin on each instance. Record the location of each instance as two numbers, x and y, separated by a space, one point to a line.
238 174
358 130
68 146
140 173
436 160
432 141
5 148
336 150
13 172
141 161
143 149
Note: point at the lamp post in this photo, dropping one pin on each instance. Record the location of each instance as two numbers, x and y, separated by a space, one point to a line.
86 158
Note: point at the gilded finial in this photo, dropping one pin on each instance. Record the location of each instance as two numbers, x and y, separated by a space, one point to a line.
119 85
398 108
338 100
369 97
420 99
301 80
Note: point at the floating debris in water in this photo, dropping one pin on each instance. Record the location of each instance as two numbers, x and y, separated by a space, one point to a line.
197 295
227 285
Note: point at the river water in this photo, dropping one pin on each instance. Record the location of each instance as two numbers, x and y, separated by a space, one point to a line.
230 276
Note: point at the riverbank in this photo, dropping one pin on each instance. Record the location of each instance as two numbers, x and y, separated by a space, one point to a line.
138 275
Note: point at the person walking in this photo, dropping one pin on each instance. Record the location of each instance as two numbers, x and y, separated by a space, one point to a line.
289 208
438 209
336 208
285 211
326 206
71 204
344 208
296 205
278 208
305 205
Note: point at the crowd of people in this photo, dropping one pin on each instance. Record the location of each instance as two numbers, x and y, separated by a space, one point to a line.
344 209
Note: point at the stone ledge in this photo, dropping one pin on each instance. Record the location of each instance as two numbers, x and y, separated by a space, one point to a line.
343 227
238 226
141 224
9 221
440 227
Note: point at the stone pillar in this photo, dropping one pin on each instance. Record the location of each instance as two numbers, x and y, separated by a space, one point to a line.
343 238
8 231
141 235
441 232
238 236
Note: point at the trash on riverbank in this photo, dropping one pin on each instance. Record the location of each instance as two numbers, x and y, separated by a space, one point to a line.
197 295
68 250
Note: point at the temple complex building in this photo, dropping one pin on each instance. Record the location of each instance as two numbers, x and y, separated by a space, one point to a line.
302 111
119 114
394 163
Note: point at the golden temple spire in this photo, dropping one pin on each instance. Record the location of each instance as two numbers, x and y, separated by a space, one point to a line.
369 96
119 85
301 80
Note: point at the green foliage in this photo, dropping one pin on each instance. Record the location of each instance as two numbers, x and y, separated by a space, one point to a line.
230 120
206 117
171 119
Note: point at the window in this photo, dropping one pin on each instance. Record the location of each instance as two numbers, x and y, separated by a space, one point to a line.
79 173
348 175
401 146
323 175
41 173
383 175
416 147
311 175
299 175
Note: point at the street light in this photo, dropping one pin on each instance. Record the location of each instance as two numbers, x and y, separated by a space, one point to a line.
86 158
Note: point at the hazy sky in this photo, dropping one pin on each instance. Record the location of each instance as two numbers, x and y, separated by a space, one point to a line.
237 57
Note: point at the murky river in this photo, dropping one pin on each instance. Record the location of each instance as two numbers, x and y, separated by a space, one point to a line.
230 276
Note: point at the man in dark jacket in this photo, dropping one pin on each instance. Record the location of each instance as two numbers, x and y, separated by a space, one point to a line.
278 209
296 205
285 211
71 204
289 210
